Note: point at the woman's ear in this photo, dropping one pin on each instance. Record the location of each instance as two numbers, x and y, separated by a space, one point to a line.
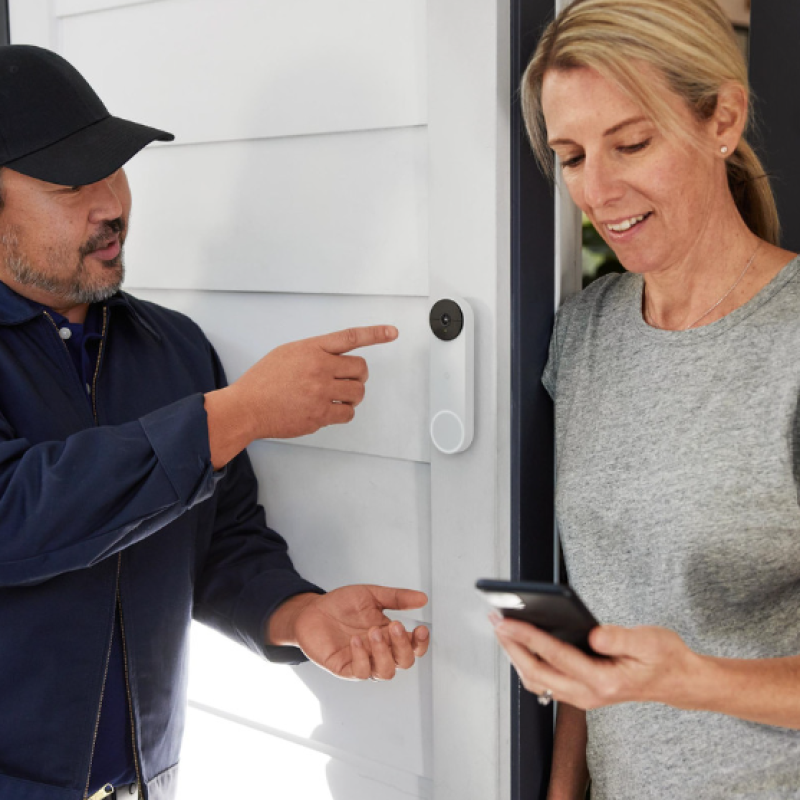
730 116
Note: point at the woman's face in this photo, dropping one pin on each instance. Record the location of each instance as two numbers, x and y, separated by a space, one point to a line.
651 196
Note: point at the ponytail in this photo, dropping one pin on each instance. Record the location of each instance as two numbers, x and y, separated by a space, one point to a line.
752 193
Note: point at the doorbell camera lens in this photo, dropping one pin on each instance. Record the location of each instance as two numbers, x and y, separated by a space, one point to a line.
446 320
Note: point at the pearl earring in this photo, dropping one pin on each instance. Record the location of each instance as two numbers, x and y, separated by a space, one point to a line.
724 150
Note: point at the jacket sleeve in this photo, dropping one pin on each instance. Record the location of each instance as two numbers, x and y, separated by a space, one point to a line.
67 505
247 572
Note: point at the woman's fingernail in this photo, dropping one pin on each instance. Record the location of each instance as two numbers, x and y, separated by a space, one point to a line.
376 635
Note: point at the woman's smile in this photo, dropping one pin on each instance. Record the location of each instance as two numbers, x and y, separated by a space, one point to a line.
626 224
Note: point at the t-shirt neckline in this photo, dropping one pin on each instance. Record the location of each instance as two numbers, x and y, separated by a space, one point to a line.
718 327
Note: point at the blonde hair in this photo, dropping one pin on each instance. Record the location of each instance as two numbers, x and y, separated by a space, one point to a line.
690 43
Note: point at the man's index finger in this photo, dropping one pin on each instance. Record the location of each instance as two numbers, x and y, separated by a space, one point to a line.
349 339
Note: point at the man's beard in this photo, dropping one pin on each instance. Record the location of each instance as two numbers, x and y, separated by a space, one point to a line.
76 286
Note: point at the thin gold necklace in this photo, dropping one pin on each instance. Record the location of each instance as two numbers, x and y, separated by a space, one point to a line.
735 284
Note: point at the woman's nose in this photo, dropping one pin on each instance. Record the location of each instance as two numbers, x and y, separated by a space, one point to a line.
601 184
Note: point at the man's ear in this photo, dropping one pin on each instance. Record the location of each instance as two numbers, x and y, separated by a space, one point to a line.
730 116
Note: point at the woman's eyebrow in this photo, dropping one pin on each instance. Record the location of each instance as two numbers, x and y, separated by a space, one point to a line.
624 124
610 132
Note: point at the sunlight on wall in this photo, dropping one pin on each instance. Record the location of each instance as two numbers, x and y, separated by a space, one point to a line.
222 759
270 695
257 730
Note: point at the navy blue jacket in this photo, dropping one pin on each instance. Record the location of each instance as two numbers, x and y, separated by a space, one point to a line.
116 500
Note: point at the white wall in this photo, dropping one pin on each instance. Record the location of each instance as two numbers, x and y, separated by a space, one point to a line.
335 164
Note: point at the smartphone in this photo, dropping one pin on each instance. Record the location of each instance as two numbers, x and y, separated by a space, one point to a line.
552 607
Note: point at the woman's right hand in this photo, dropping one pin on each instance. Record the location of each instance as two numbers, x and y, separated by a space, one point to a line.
644 664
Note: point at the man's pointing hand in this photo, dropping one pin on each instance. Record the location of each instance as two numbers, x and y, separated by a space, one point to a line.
294 390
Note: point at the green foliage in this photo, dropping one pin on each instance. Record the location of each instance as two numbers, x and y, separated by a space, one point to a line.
598 258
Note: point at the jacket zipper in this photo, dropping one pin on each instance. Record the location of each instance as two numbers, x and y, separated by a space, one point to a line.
103 792
106 790
102 695
128 691
119 568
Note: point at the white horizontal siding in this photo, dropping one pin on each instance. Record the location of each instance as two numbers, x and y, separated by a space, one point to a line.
392 420
387 724
339 214
349 518
246 69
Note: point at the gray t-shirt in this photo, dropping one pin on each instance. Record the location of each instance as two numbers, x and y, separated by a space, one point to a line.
678 470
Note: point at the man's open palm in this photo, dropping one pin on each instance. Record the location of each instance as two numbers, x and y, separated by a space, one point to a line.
347 633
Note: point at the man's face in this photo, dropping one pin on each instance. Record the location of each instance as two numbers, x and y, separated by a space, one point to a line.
62 245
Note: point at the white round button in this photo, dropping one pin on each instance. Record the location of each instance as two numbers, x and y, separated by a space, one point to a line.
65 333
447 432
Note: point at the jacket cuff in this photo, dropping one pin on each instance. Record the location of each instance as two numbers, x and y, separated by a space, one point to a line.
178 434
251 615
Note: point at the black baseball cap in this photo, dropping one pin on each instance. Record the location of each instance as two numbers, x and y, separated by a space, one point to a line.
54 127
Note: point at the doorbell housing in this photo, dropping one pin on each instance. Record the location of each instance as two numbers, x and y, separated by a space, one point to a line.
452 374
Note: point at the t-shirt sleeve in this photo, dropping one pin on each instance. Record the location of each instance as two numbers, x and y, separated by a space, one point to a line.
550 374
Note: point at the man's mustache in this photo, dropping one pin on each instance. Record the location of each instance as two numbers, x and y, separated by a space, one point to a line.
109 230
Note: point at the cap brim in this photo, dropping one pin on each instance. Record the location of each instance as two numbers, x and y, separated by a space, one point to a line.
89 155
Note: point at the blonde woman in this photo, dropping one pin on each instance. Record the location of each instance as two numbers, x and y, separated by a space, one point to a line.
676 392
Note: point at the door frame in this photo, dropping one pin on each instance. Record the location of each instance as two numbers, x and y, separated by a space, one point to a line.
533 298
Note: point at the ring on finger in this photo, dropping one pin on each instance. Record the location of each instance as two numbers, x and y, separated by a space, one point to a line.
545 698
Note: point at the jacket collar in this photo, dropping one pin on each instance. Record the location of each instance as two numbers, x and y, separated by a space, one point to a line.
16 309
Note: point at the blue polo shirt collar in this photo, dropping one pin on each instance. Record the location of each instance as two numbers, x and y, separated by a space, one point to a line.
16 309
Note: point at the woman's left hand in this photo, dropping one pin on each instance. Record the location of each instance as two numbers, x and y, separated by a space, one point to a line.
642 664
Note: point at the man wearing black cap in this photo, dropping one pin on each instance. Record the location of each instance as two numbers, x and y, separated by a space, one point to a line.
127 502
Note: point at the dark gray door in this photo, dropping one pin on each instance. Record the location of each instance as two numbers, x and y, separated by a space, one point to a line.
532 297
774 75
